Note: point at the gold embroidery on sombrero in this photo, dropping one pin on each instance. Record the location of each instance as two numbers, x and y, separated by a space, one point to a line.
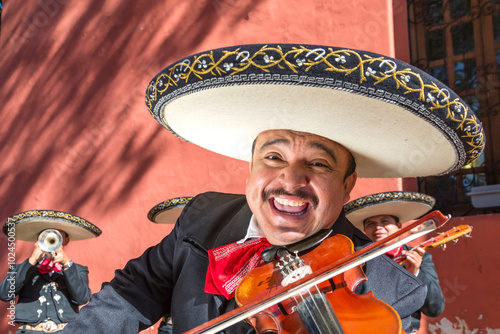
57 214
167 204
222 71
383 197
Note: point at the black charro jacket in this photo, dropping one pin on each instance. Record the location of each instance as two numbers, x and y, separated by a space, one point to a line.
42 296
434 301
169 278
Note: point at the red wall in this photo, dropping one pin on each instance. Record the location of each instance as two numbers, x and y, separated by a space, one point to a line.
75 133
468 273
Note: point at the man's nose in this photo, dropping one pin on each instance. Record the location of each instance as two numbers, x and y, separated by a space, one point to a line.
294 176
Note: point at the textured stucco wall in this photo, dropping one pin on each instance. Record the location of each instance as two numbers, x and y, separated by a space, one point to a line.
76 136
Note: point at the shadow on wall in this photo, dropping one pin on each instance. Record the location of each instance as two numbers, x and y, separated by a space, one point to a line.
76 135
73 105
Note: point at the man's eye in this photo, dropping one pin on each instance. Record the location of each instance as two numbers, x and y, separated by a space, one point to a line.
319 164
273 157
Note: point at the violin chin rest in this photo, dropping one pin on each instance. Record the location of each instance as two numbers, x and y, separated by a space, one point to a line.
271 253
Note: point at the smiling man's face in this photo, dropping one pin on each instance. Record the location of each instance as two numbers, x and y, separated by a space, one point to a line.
296 185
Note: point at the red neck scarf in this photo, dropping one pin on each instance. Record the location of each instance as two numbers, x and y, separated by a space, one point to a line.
47 266
230 263
395 252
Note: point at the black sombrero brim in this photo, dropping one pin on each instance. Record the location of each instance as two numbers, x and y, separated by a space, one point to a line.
405 205
28 225
168 211
397 120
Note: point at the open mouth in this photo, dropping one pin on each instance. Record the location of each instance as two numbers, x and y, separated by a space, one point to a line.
289 207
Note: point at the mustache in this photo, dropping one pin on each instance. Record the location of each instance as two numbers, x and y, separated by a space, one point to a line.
266 194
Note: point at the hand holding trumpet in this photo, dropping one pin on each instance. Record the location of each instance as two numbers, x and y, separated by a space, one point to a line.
36 255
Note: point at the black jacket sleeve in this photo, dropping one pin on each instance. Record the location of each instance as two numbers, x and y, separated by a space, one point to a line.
77 283
15 280
434 302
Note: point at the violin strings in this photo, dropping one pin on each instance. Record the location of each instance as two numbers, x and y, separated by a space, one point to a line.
314 311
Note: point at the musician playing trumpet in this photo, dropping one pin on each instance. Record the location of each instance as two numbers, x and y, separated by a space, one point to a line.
380 215
50 286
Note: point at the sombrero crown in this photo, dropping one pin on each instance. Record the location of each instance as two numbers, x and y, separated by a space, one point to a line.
28 224
397 120
405 205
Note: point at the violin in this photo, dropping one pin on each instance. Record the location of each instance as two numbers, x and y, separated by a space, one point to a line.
441 240
313 292
329 307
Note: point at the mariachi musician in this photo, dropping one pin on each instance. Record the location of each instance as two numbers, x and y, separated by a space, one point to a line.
50 286
309 119
380 215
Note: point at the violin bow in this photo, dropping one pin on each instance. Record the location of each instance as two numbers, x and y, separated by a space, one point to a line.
424 225
441 240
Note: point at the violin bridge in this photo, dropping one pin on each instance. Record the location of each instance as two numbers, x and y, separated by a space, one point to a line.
292 268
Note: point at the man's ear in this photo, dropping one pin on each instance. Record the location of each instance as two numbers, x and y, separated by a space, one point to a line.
349 184
65 240
250 165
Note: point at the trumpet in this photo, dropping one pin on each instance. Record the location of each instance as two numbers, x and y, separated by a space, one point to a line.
49 241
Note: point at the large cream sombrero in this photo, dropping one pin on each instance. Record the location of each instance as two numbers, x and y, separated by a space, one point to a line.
28 224
405 205
397 120
168 211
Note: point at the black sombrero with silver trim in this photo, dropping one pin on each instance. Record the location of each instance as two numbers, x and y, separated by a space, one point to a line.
397 120
168 211
405 205
28 224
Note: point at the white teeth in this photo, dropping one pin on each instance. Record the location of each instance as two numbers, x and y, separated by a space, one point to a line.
284 201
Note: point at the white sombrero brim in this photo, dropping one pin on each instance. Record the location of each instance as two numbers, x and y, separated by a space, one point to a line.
168 211
395 119
405 205
28 225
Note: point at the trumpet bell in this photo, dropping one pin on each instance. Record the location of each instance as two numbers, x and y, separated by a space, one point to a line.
50 240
